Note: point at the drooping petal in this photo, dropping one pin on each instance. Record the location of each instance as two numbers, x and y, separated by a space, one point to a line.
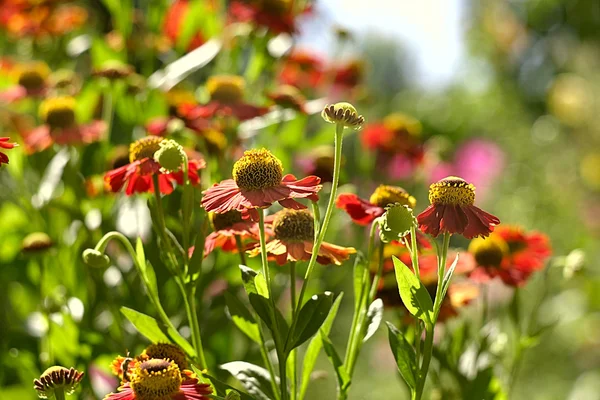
361 211
480 223
429 220
453 220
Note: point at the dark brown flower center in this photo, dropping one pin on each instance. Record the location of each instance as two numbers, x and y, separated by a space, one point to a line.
58 112
226 88
489 252
225 220
294 226
167 351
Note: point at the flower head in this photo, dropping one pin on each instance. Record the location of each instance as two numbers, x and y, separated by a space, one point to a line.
293 236
173 27
226 88
57 378
452 210
227 227
166 351
344 114
113 70
509 253
160 379
36 242
95 258
287 96
257 183
275 15
137 175
363 211
4 144
170 155
31 81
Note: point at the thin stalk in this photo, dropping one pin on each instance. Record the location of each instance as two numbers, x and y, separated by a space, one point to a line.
59 394
427 351
293 288
107 111
414 252
264 352
293 354
240 249
189 300
162 224
339 130
441 270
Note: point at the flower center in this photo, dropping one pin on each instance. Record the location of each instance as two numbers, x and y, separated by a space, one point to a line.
385 195
257 169
489 252
156 380
58 112
33 76
452 191
144 148
294 226
398 122
275 6
167 351
226 88
225 220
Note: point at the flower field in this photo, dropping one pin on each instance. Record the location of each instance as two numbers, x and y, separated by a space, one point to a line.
249 200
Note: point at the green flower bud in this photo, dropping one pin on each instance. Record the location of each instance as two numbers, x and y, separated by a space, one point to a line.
95 259
170 156
36 242
57 378
344 114
396 223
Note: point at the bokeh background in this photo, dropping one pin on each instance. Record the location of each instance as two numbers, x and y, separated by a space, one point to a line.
506 92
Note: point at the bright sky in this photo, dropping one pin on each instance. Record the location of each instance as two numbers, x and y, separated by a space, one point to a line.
431 29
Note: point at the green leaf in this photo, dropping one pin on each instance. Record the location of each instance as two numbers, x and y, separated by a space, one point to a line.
256 380
360 267
150 279
415 297
340 371
221 388
315 346
404 355
248 278
374 316
181 342
241 317
146 325
448 278
309 319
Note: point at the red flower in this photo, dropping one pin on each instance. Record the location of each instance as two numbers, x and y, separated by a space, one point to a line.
452 211
5 145
258 183
156 379
287 96
31 79
137 175
303 70
40 18
60 126
227 227
363 212
276 15
174 20
510 254
293 240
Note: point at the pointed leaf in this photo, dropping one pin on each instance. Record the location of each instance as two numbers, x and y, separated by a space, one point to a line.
340 371
145 324
374 316
415 297
448 277
315 346
360 267
241 317
309 319
221 388
404 355
256 380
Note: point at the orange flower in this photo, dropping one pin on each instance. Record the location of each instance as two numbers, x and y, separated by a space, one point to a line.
4 144
227 227
174 20
276 15
511 254
293 238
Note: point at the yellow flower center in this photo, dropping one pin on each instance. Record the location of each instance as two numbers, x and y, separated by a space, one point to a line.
257 169
489 252
385 195
144 148
58 112
225 220
400 122
226 88
33 75
156 379
294 226
167 351
452 191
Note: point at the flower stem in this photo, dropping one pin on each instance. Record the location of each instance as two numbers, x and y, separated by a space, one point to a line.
339 130
263 253
189 298
59 394
240 248
293 354
162 226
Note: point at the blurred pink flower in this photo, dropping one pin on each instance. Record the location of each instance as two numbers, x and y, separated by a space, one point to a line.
478 161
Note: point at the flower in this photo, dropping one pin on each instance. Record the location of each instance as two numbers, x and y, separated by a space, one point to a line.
303 70
343 114
122 367
36 242
318 161
452 211
60 126
113 70
397 143
227 227
170 155
41 19
276 15
31 79
293 236
363 212
226 100
160 379
137 175
509 253
4 144
166 351
174 24
95 258
258 183
57 378
288 97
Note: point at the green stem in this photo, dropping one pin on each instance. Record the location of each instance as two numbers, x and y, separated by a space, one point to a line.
59 394
414 251
263 253
240 248
107 111
293 354
162 227
339 130
190 308
427 351
441 270
267 360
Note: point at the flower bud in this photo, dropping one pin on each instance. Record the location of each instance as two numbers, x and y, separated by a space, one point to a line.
170 156
344 114
95 259
57 378
36 242
396 223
